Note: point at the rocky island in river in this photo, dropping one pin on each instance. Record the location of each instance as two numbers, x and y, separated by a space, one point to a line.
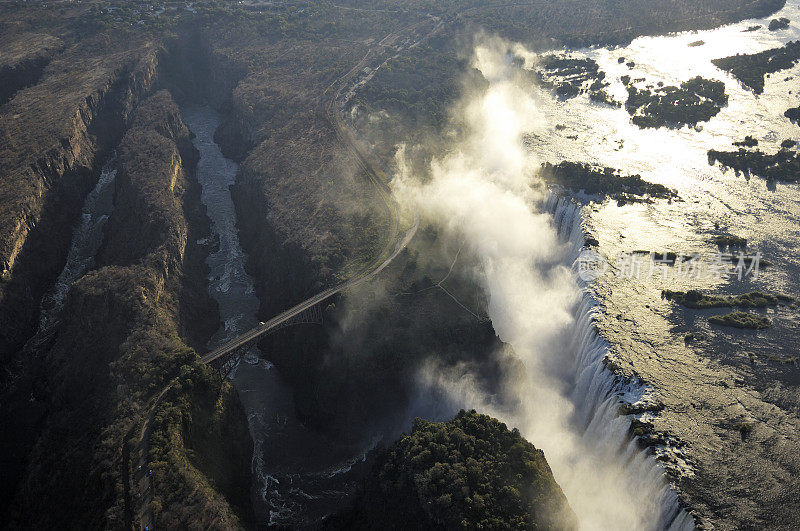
380 265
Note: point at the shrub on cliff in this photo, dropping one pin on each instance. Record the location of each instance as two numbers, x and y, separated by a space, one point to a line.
469 473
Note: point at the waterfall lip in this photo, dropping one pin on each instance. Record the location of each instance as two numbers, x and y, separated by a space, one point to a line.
618 395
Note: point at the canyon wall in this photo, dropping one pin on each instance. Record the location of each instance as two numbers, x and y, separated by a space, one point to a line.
309 217
119 345
53 134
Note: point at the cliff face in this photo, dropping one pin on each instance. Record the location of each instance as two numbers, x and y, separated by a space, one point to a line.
51 136
119 345
200 456
304 208
23 61
309 217
360 373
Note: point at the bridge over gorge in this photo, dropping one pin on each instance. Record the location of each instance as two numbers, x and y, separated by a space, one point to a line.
309 309
379 179
303 312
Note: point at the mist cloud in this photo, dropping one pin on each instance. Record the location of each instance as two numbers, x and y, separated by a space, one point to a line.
484 192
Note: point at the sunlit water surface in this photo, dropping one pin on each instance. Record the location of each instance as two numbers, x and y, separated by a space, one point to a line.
298 482
714 200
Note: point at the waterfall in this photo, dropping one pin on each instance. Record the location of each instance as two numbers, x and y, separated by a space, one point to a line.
598 392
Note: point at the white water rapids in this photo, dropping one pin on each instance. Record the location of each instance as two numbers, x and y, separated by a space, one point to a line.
525 241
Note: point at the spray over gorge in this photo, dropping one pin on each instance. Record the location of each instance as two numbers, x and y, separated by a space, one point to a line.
485 191
400 265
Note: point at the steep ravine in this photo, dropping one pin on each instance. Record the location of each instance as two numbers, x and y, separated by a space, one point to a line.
120 342
52 159
55 133
150 266
294 483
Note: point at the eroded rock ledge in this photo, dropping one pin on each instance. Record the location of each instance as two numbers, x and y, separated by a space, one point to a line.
119 345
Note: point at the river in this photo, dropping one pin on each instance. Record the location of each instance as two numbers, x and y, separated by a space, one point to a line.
299 476
86 241
713 200
729 375
297 481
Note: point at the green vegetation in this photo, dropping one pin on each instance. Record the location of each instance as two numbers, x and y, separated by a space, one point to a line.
666 257
568 77
669 256
419 86
698 300
693 336
741 320
646 435
783 360
593 180
601 96
696 100
782 166
744 428
779 23
469 473
639 408
641 428
192 461
730 241
751 69
748 141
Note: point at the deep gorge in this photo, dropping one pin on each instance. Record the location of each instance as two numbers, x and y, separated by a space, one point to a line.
170 272
174 173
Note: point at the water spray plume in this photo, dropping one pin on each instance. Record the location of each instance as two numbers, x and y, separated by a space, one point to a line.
484 192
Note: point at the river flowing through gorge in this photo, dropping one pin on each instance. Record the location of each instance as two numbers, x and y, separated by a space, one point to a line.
299 476
525 240
86 241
